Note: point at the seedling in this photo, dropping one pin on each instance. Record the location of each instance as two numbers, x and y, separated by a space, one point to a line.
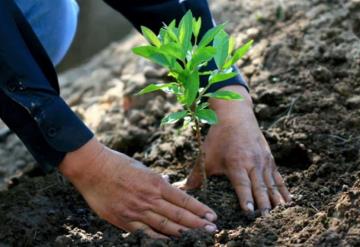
178 49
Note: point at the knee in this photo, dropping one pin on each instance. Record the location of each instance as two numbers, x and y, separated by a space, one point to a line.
54 23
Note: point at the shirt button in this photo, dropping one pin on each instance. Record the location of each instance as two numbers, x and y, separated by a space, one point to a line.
20 86
51 132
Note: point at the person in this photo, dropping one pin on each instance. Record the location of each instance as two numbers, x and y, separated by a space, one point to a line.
35 36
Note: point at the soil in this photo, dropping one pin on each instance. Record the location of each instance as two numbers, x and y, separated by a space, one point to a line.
304 74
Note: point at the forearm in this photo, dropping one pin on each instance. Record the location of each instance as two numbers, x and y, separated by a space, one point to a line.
29 95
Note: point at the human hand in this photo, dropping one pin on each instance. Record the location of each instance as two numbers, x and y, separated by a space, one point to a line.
130 196
235 147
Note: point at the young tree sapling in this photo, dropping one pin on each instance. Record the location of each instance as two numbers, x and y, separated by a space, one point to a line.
178 49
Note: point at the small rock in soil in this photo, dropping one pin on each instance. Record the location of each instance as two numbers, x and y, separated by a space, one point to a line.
353 102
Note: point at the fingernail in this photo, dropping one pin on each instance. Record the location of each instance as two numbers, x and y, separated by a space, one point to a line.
250 206
210 216
211 228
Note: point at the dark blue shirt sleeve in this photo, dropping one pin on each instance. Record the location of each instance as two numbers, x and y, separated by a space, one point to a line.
154 13
29 93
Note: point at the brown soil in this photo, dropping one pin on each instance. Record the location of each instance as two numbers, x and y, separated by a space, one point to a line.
304 73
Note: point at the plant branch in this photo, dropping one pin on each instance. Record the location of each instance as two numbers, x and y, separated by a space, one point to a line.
201 159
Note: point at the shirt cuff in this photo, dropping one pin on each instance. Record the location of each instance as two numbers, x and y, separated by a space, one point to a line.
43 121
236 80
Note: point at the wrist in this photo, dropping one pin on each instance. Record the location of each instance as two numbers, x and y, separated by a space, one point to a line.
233 110
78 163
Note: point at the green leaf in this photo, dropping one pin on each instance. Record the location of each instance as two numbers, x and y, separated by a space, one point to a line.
221 43
218 77
173 49
196 27
210 34
203 105
172 24
209 72
185 31
176 68
164 36
172 31
152 53
174 88
207 116
202 55
173 117
224 95
150 36
154 87
191 84
239 53
231 45
172 34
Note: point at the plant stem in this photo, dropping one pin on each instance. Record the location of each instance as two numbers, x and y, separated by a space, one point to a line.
201 160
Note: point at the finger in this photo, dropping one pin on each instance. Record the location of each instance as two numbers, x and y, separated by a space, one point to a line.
183 200
182 217
242 185
134 226
260 191
281 185
274 193
162 224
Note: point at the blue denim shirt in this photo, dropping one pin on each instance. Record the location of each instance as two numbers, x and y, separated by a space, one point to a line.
30 103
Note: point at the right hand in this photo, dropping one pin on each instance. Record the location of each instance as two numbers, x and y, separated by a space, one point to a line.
130 196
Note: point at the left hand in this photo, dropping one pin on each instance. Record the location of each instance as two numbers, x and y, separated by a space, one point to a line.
236 148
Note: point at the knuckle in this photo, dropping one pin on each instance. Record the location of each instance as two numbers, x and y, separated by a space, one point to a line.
233 159
157 181
163 223
179 216
129 210
185 200
274 190
152 204
256 168
128 215
140 206
280 184
261 188
269 158
253 157
245 183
